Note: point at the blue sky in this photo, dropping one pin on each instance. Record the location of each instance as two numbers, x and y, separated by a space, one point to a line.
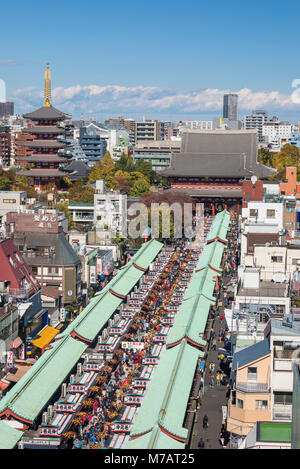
160 58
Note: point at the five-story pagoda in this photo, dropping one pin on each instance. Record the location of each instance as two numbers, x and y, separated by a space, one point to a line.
43 166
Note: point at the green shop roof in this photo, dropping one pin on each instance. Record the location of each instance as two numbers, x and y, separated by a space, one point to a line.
191 321
219 227
211 256
9 436
156 439
33 391
167 396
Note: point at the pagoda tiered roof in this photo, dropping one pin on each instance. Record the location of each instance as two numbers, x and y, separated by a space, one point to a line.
49 157
44 129
47 113
38 172
39 143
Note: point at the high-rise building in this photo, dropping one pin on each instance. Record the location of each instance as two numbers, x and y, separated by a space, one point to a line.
6 109
230 106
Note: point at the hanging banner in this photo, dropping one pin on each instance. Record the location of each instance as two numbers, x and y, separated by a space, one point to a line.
22 352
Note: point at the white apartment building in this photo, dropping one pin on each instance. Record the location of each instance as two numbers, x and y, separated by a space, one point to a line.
255 295
110 212
278 262
277 133
284 342
201 125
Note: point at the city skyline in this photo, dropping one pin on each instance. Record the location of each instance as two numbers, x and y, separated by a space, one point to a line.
103 64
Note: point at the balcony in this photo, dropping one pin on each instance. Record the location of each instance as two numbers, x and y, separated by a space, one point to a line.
252 387
282 412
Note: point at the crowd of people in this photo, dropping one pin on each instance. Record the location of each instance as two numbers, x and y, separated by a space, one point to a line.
95 431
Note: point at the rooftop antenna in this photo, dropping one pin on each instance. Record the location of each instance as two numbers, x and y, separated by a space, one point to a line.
47 93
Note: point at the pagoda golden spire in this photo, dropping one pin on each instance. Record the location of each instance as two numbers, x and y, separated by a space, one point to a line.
47 93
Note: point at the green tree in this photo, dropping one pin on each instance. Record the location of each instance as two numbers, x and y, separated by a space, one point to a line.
289 155
145 167
80 192
63 207
265 156
140 186
103 169
125 163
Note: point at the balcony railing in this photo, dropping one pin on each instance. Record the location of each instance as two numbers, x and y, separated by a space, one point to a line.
252 387
282 412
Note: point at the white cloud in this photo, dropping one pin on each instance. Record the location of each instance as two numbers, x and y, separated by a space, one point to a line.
117 99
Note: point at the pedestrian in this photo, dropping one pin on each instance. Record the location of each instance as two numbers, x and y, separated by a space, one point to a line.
218 378
211 383
201 444
205 422
201 383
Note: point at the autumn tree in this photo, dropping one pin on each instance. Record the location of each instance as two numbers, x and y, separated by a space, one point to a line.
289 155
80 192
103 169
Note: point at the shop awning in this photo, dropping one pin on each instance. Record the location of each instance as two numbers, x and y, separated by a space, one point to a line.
45 337
4 384
16 343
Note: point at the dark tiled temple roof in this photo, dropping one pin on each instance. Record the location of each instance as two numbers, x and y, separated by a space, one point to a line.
218 154
77 170
43 144
47 112
39 129
42 173
227 193
43 157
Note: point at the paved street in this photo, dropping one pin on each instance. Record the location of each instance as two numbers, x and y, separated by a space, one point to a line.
213 399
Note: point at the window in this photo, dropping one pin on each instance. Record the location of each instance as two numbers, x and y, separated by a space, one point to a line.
270 213
240 403
261 405
285 398
252 373
276 258
253 212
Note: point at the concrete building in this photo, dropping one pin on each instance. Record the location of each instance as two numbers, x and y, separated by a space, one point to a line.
93 146
230 106
262 215
256 121
159 152
262 379
255 295
110 212
82 213
18 282
39 235
149 130
277 133
6 109
11 201
5 146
